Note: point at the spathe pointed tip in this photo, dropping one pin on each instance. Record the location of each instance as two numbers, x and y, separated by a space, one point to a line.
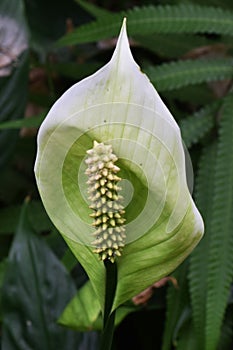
122 51
123 27
123 32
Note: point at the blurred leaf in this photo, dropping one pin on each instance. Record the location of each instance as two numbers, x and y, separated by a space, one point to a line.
69 260
3 266
37 288
186 339
45 26
94 10
122 312
74 70
226 341
198 94
23 123
225 3
38 217
9 217
170 45
13 71
83 313
177 300
90 341
5 243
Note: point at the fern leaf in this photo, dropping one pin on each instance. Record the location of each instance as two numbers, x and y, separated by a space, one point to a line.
199 257
220 264
167 45
226 340
94 10
200 93
187 339
183 18
177 300
169 76
194 127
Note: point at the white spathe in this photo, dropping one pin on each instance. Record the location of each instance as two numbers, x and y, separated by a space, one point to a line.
119 106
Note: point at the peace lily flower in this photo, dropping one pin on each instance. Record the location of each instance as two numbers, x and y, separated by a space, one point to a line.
110 140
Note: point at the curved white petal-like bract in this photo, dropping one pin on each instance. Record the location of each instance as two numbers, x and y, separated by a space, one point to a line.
119 106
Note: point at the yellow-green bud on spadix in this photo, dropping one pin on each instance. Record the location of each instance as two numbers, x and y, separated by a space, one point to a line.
102 188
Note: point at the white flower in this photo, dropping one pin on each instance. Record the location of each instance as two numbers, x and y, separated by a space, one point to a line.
118 106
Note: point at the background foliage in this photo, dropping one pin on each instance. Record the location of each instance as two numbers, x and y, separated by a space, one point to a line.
186 50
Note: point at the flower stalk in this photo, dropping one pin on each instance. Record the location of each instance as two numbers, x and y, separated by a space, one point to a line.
109 315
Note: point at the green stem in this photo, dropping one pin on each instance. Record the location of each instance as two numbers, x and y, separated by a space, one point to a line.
109 317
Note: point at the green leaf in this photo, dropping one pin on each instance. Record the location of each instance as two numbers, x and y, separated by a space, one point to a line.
220 264
82 311
40 15
169 76
201 95
69 260
14 70
36 289
199 258
183 18
75 71
227 330
94 10
32 122
187 339
194 127
177 299
3 265
9 217
169 45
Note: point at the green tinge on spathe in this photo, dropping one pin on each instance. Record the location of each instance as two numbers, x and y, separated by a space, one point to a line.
118 106
105 201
